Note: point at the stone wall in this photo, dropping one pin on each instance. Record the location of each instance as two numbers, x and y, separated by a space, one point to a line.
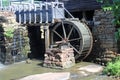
103 34
14 42
104 29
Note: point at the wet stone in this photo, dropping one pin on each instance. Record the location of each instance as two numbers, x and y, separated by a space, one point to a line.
91 68
48 76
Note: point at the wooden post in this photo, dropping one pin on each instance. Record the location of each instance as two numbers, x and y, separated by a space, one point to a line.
47 43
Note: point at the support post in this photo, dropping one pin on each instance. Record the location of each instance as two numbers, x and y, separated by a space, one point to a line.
47 42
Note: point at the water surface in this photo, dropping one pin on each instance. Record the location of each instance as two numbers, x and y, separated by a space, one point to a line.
22 69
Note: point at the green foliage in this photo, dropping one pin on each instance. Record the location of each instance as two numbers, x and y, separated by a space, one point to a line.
114 7
116 11
9 33
113 68
5 2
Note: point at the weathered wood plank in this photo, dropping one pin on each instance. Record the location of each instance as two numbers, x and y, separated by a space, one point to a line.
82 5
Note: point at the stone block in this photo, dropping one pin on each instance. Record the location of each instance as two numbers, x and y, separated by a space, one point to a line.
60 58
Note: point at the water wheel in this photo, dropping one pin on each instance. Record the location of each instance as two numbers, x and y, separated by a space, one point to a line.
74 33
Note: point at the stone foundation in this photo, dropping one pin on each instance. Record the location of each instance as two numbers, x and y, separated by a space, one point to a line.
104 37
59 58
104 30
14 42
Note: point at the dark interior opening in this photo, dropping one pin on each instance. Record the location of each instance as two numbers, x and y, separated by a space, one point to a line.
88 15
37 43
77 14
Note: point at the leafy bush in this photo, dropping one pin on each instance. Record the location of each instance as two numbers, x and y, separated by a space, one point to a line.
113 67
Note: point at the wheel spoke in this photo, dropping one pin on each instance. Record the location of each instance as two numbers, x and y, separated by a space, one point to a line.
70 33
58 34
74 39
74 49
77 56
63 27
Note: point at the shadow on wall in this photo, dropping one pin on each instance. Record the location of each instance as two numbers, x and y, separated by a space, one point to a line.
2 45
97 50
118 45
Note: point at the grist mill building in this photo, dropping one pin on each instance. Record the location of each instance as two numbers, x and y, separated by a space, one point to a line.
99 22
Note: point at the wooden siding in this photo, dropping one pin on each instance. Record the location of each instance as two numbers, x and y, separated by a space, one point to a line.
82 5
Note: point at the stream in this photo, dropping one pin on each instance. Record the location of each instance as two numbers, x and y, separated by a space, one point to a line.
22 69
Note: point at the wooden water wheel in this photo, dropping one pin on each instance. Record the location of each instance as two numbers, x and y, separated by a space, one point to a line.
73 33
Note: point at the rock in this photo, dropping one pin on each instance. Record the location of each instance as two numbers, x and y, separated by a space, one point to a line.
92 68
48 76
28 61
83 73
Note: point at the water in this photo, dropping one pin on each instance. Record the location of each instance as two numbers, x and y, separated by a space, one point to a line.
2 66
22 69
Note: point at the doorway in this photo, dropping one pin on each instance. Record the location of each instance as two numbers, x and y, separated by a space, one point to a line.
36 41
